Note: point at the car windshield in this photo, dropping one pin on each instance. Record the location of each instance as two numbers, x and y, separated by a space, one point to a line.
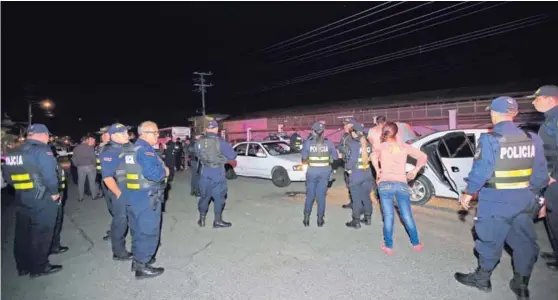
278 148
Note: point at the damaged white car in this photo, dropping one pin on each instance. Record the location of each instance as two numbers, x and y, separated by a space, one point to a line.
450 159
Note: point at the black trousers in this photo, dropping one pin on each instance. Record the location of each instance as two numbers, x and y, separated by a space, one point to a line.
34 234
551 221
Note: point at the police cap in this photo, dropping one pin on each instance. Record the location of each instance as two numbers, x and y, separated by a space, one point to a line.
546 91
117 128
212 124
38 128
504 104
318 126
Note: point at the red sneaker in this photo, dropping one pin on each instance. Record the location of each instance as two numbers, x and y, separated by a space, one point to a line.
388 251
418 247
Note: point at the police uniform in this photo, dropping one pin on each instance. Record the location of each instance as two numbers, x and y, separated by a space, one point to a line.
111 159
213 152
56 247
509 168
99 151
549 135
318 152
142 181
345 151
360 181
195 171
296 141
31 170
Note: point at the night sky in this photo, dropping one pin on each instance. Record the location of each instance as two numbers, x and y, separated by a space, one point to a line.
108 61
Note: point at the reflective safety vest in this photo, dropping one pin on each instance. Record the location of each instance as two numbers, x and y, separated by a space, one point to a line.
298 142
359 161
319 154
61 178
98 164
129 172
514 162
19 171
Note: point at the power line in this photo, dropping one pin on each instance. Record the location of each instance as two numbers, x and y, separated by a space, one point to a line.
298 38
410 51
358 27
340 45
464 38
322 56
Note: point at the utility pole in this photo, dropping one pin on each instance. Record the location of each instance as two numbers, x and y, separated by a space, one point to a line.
201 88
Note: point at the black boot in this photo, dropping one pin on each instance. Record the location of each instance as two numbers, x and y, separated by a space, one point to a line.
147 271
519 286
367 220
348 205
355 223
480 279
58 250
49 269
107 237
201 221
123 256
133 268
219 223
321 221
306 221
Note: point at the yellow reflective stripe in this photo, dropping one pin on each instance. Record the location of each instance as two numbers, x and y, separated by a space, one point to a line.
132 176
360 166
133 186
63 178
318 158
512 186
21 177
63 185
98 167
514 173
23 186
318 164
98 161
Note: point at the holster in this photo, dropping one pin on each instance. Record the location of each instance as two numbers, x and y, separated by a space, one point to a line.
39 186
155 197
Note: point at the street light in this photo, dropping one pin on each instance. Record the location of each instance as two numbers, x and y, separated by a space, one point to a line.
46 104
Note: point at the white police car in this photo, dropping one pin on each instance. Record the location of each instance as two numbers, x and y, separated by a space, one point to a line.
273 160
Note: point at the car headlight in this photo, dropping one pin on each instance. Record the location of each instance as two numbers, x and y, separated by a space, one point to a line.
300 168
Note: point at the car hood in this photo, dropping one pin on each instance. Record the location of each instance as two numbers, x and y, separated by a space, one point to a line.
294 158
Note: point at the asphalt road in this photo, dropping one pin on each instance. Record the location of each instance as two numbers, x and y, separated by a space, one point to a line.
267 254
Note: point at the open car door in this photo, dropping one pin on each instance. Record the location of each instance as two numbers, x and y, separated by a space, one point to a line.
456 152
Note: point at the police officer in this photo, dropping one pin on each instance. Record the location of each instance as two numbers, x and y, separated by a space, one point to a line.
142 185
213 152
105 141
509 168
546 101
360 181
318 152
178 154
31 170
111 160
196 168
296 141
56 248
344 154
170 158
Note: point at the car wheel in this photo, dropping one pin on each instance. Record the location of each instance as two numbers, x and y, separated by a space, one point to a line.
229 172
421 191
280 177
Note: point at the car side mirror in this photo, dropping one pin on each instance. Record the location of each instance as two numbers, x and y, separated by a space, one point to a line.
259 154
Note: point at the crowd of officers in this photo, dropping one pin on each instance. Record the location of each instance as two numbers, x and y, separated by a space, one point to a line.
511 169
513 177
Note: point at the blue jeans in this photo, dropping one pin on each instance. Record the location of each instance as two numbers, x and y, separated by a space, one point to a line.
399 190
